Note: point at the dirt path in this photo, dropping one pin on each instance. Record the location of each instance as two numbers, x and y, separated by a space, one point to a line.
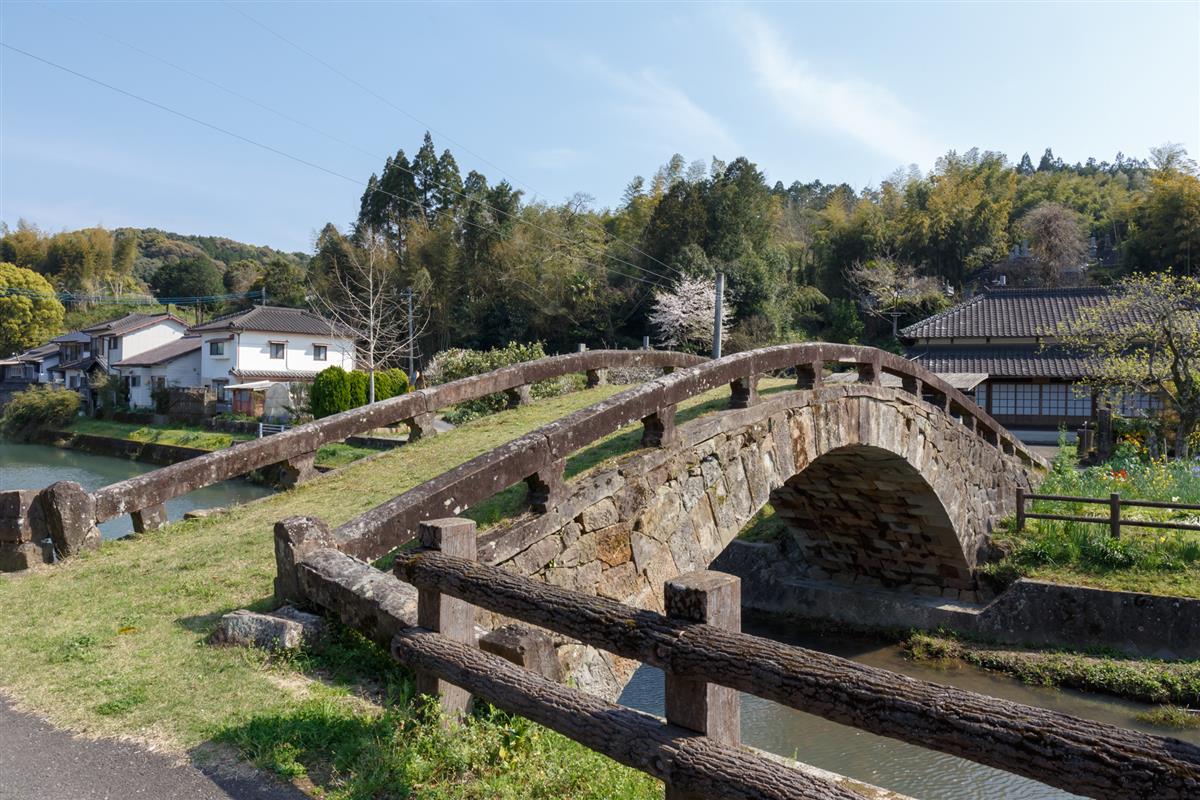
40 762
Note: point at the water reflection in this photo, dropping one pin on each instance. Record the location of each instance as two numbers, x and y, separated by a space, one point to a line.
33 466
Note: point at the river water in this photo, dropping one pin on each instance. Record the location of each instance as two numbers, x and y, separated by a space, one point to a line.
895 765
33 466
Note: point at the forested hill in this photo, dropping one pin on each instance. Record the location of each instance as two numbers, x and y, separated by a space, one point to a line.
801 259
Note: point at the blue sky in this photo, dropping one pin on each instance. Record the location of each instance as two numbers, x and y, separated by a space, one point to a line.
560 98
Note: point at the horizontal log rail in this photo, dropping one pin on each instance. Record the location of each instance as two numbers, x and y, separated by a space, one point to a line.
677 756
1115 521
538 457
1076 755
154 488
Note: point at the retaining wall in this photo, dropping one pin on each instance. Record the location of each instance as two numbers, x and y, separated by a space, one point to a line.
1029 612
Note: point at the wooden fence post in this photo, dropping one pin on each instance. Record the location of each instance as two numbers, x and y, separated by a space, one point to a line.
715 711
449 616
1114 515
1020 508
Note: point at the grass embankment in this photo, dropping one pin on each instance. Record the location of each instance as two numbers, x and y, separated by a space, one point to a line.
113 642
1142 560
1174 685
331 455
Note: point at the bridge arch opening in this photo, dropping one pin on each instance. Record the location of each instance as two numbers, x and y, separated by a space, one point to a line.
865 515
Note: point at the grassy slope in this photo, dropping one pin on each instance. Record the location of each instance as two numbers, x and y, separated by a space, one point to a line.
113 643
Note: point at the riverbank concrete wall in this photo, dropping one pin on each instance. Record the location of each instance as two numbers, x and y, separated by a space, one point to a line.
1029 612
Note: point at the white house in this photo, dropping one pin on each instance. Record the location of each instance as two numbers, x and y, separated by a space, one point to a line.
98 348
175 363
269 343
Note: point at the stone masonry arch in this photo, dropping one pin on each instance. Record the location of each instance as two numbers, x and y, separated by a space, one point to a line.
877 486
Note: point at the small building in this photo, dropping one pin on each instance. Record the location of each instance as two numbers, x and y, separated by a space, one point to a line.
174 364
270 344
1032 384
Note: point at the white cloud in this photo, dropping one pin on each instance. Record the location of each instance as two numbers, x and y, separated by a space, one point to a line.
659 111
866 112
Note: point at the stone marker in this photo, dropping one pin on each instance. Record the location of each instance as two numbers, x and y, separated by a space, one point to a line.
285 629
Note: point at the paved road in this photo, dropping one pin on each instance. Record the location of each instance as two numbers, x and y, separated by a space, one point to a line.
40 762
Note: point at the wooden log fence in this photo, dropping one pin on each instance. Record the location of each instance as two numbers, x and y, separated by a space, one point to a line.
1079 756
1114 519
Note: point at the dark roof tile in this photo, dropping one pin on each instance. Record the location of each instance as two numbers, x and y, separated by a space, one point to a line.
1004 362
163 353
1009 313
275 319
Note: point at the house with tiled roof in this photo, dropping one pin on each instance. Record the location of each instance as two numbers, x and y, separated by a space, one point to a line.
262 345
1033 384
174 364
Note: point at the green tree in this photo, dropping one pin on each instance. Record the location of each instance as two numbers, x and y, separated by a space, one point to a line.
1148 339
25 246
1165 230
196 276
30 313
284 283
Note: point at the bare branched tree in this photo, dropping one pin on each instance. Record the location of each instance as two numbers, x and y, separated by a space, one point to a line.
361 292
886 285
1056 239
683 316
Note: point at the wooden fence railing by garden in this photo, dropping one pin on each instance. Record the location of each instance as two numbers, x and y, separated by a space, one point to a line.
707 661
1114 519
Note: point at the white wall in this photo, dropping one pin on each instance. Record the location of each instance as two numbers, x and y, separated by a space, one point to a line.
140 341
254 352
182 371
217 367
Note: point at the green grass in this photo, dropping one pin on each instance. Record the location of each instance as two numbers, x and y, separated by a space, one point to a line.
331 455
113 643
1147 680
1143 559
181 435
1169 716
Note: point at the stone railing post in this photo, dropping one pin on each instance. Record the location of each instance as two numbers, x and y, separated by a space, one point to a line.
517 396
19 547
713 598
295 536
546 487
294 470
912 384
149 519
870 372
596 377
68 515
449 616
743 392
808 376
420 426
658 429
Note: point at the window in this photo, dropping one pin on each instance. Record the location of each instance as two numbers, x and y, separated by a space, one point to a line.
114 343
1137 403
1004 398
320 352
135 381
158 382
1028 399
1054 399
981 395
1079 404
221 392
216 348
277 349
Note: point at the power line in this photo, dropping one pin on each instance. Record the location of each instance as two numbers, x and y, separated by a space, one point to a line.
332 137
248 140
143 300
427 126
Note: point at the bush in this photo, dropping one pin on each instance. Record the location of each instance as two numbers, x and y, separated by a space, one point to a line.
330 392
38 408
451 365
334 390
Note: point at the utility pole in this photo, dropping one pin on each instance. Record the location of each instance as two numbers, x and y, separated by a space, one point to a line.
717 311
412 347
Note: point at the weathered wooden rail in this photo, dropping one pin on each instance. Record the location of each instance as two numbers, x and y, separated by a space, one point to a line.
66 514
1114 520
539 458
706 661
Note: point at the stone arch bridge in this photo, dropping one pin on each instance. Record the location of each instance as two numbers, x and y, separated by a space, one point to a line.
887 485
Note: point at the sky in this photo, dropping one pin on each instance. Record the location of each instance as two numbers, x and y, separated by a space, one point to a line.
556 98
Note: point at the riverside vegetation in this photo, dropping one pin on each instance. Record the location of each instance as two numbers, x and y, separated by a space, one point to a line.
113 643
